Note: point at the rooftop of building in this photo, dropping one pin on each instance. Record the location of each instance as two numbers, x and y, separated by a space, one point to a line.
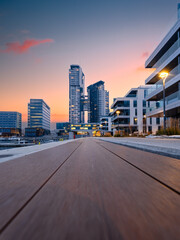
99 83
32 100
10 112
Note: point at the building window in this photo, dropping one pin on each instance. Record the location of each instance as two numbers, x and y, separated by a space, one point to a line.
144 103
135 111
150 121
149 129
144 111
157 120
145 93
135 103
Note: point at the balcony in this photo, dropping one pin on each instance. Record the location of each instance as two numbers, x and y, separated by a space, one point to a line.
153 90
170 102
170 51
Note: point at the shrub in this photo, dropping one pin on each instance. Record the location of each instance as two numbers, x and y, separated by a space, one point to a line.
107 135
169 131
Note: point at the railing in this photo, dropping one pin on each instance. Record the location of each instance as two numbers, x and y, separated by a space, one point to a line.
168 100
120 115
159 84
167 54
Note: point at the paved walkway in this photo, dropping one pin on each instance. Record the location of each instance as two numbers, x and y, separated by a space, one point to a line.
167 147
12 153
90 189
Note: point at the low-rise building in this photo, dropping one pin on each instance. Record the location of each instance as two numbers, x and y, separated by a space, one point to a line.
10 123
105 123
38 118
129 113
63 127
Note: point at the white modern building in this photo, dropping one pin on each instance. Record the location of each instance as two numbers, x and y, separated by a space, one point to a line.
129 113
165 58
105 123
76 94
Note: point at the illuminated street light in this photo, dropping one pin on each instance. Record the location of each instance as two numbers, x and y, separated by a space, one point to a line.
163 76
118 112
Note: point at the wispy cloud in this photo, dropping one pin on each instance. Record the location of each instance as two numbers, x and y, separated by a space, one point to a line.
143 69
38 60
18 48
140 68
145 54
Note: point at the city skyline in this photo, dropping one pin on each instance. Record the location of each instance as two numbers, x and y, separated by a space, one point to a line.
110 45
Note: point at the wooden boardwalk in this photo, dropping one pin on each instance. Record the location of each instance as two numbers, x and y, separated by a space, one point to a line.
90 189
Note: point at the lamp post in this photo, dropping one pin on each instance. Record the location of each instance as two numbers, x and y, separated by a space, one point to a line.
163 76
118 112
145 122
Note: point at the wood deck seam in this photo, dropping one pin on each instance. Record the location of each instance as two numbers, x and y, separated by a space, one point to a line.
146 173
36 192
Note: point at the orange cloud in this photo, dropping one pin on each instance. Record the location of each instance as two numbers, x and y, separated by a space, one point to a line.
143 69
19 48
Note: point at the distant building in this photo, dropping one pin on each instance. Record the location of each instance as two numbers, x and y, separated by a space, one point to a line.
38 118
63 127
76 94
98 102
10 123
129 113
105 123
165 58
106 103
84 126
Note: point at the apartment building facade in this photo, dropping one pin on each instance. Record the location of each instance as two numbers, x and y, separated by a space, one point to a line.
129 113
165 58
98 102
76 94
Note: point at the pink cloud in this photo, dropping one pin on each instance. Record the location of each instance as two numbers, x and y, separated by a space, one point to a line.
145 54
140 69
38 60
18 48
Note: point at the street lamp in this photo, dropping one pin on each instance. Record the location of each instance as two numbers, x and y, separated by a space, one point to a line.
163 76
145 122
118 112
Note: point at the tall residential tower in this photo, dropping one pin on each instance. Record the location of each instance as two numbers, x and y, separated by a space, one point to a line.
76 94
98 105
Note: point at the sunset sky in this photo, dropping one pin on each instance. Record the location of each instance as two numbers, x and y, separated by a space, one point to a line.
109 39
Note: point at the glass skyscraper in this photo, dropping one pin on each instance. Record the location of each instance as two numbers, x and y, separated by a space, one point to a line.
76 94
38 114
98 104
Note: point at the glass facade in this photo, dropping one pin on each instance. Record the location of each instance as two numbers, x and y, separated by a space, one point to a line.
38 114
10 119
84 126
76 94
63 126
98 102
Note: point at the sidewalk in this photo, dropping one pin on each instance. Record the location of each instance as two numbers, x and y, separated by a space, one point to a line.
167 147
12 153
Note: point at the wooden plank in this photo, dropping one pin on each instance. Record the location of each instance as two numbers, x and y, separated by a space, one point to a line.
164 168
22 177
95 195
